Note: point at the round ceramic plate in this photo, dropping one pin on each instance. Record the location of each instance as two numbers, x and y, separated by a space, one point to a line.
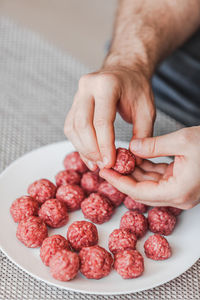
45 162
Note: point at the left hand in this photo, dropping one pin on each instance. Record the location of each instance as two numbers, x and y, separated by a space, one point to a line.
177 184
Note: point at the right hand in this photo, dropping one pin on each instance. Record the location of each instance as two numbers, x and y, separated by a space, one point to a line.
89 124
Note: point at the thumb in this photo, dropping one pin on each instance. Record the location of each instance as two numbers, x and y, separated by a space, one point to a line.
169 144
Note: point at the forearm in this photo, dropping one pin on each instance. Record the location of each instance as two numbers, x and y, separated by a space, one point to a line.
145 32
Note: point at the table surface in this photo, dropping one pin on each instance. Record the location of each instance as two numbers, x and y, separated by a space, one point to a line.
37 84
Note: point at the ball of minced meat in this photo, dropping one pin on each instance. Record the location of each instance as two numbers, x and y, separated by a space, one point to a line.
72 195
121 239
157 247
23 208
108 190
67 176
64 265
95 262
161 221
54 213
82 234
74 162
129 264
90 182
51 245
32 231
134 221
125 161
174 210
42 190
97 208
133 205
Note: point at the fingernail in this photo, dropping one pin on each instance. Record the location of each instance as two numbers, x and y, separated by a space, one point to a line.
136 146
105 160
90 165
100 164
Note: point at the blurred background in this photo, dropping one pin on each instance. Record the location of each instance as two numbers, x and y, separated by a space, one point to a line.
81 28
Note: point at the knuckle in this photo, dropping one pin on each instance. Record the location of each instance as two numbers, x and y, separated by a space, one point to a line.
83 81
99 122
80 123
185 136
107 81
91 155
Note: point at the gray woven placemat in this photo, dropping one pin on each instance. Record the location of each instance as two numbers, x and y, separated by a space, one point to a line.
37 84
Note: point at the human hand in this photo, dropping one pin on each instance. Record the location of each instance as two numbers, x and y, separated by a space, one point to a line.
179 183
90 122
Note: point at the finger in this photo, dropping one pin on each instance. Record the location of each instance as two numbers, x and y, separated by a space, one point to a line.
91 165
84 130
169 144
141 175
104 117
145 190
144 118
149 166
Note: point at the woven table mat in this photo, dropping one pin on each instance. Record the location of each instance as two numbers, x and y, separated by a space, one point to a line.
37 84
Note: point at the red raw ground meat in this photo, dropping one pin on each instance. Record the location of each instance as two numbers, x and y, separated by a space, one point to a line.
42 190
74 162
23 208
82 234
121 239
125 161
68 176
32 231
129 264
174 210
51 245
95 262
133 205
54 213
161 221
72 195
90 182
157 247
135 222
97 208
64 265
108 190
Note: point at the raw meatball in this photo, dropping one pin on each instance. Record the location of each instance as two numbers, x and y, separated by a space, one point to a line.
125 161
72 195
68 176
82 234
134 221
174 210
157 247
74 162
121 239
116 197
161 221
90 182
97 208
95 262
51 245
64 265
42 190
133 205
23 208
32 231
54 213
129 264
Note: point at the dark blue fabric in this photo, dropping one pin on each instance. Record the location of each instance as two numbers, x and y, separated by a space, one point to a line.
176 83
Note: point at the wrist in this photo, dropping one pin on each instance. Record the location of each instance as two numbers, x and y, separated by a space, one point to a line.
135 60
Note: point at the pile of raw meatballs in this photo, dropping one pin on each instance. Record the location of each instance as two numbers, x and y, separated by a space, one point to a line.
76 187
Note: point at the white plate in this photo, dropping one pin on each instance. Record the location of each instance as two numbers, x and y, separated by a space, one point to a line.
45 162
